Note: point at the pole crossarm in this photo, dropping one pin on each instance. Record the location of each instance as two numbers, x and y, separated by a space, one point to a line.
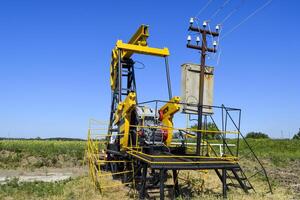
212 50
203 31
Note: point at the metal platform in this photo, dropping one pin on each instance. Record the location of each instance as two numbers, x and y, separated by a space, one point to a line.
170 161
141 167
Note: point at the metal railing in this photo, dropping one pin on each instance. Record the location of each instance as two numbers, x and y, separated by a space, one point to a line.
263 170
98 162
229 152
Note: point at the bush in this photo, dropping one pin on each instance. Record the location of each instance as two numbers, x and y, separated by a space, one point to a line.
257 135
214 135
297 136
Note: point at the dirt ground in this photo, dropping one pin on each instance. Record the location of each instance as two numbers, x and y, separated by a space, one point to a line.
199 184
44 174
288 176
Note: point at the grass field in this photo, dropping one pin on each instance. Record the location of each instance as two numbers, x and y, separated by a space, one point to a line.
39 153
278 151
281 158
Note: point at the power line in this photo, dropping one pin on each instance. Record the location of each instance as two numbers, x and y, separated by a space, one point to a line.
203 8
247 18
219 56
233 11
219 9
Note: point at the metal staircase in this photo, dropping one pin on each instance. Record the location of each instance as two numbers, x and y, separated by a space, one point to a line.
237 177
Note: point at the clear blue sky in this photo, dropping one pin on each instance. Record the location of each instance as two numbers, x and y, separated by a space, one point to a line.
54 61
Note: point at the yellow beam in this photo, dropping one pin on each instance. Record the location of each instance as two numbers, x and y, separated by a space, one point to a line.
142 49
137 44
140 36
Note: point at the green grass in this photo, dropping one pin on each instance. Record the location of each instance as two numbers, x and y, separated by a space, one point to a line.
36 189
44 148
80 188
13 152
277 150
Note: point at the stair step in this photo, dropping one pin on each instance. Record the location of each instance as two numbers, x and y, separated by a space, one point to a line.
158 186
238 186
233 177
237 169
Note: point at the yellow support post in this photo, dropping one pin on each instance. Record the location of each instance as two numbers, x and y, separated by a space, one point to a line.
166 114
124 112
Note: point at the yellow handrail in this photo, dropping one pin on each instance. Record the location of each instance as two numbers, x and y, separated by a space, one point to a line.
185 129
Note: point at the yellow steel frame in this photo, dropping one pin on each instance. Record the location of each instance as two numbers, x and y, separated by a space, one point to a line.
138 151
189 146
227 158
186 129
124 112
138 155
140 36
168 111
137 44
125 47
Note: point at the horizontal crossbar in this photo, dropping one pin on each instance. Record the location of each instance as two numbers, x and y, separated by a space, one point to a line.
142 49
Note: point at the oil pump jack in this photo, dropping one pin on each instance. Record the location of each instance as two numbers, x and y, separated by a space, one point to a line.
142 144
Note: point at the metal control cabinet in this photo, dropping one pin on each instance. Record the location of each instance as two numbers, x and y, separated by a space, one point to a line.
190 75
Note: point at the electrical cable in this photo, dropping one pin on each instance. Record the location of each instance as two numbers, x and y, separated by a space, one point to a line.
243 21
203 8
219 9
247 18
212 41
218 40
143 65
219 56
219 50
233 11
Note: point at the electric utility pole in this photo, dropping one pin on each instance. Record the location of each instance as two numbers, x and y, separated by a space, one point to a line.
203 48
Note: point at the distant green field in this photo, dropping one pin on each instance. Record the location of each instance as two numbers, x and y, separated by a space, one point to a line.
44 148
277 150
39 153
45 153
12 152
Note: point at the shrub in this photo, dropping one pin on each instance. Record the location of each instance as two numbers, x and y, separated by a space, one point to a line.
210 127
297 136
257 135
